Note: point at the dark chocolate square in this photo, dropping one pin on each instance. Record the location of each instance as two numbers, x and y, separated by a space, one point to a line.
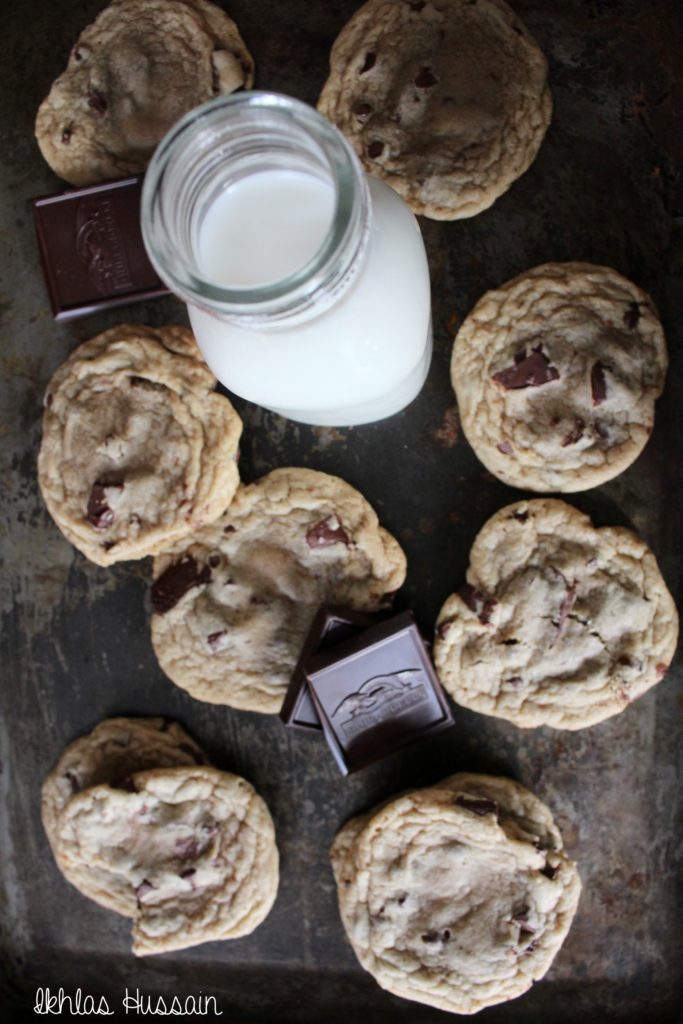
92 250
377 693
331 625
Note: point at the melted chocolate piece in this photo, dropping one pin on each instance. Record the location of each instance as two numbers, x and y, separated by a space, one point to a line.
96 102
549 871
375 149
523 921
575 434
442 629
369 63
330 626
126 784
179 578
477 602
505 448
362 111
214 640
485 614
598 383
530 372
98 513
186 849
469 594
187 873
377 693
146 384
143 888
565 609
326 533
479 806
425 79
91 247
632 316
73 781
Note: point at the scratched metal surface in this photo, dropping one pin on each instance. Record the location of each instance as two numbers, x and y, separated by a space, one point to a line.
606 188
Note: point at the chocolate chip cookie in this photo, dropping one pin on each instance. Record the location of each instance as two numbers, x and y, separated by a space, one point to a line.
559 623
232 607
556 375
137 451
458 896
188 853
139 67
446 100
111 754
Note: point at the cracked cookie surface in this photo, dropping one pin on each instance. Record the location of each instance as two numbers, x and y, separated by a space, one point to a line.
111 753
458 896
556 375
559 623
137 450
232 607
188 853
446 100
131 75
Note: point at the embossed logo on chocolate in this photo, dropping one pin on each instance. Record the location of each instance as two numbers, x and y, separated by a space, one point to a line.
379 698
99 244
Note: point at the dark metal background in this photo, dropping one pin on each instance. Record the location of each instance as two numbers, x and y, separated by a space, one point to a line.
606 188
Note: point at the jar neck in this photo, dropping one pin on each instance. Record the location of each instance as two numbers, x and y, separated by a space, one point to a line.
211 149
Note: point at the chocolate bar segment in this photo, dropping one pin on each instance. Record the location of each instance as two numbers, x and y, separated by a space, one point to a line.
377 693
91 248
331 625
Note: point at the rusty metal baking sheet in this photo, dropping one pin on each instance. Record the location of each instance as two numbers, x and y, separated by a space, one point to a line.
606 188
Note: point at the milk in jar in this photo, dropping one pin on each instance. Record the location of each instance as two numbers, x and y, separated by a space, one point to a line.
306 281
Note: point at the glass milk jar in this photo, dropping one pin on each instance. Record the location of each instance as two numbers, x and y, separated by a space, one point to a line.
306 282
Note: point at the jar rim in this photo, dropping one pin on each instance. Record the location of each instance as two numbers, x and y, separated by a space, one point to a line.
298 291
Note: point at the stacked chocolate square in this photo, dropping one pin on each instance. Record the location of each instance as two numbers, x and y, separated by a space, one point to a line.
369 687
